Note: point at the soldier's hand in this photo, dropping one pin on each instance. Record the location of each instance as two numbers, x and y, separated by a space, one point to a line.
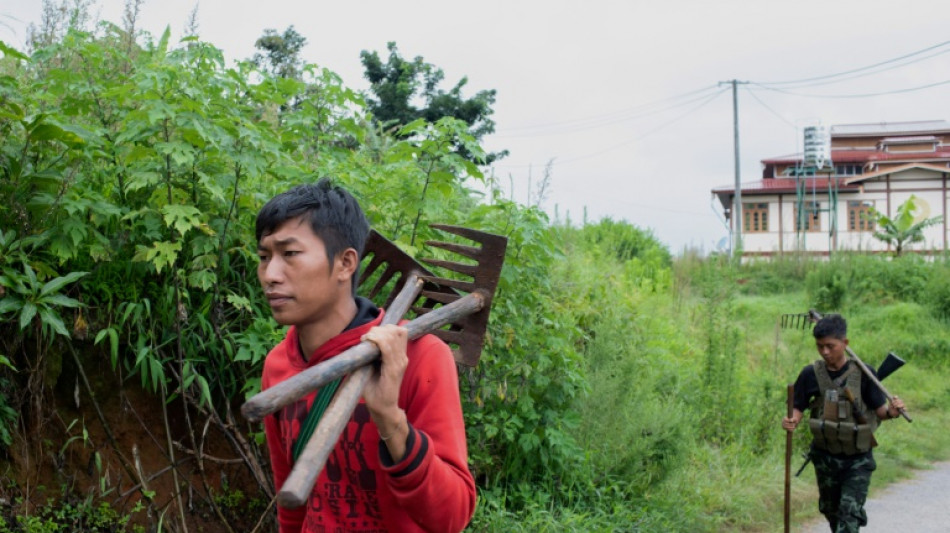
789 424
897 405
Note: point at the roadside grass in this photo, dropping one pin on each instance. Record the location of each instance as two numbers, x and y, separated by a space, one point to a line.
739 485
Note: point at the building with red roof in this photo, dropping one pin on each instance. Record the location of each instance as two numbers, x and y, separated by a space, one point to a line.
821 204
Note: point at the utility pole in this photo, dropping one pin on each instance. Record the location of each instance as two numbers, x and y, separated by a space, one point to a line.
737 194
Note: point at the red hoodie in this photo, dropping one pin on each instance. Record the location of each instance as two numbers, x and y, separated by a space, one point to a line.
362 489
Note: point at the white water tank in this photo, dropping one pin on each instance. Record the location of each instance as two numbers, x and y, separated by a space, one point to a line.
817 147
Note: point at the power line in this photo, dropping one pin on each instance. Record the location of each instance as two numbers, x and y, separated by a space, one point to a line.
766 106
852 71
636 112
704 103
864 95
865 74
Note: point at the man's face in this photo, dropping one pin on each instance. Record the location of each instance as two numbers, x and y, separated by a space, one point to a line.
832 350
301 285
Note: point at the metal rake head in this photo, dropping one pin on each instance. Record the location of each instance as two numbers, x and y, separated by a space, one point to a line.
796 321
388 267
800 320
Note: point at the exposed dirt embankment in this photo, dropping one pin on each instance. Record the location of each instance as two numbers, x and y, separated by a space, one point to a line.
111 440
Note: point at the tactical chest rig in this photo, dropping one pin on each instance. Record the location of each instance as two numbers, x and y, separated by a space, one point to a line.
840 422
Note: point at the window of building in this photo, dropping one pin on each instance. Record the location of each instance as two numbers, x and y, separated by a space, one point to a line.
860 215
755 217
849 170
810 217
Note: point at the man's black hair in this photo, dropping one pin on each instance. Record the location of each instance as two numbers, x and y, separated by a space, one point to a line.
831 325
333 213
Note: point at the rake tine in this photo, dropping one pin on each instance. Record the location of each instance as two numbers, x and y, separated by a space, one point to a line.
383 280
461 249
461 268
374 264
468 233
441 297
466 286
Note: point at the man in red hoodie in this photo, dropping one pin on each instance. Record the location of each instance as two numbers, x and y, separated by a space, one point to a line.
402 461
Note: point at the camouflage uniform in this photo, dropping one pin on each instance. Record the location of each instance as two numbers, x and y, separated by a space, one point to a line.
843 463
842 488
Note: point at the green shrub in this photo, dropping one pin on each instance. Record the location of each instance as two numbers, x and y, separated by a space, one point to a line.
773 276
70 515
937 292
827 287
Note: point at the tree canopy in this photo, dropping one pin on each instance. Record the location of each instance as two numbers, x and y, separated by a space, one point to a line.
280 53
403 91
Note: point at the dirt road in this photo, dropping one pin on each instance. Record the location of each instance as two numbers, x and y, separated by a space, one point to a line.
917 505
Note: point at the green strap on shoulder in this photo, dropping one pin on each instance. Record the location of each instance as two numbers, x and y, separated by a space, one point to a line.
319 405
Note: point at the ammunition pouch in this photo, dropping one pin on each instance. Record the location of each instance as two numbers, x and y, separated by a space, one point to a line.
845 438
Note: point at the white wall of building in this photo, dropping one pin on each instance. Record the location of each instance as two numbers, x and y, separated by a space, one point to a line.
887 192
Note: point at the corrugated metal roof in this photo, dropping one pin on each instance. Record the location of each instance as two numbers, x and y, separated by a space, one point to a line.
784 185
889 128
909 139
866 155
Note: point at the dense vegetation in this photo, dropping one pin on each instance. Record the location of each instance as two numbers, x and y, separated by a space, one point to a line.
619 389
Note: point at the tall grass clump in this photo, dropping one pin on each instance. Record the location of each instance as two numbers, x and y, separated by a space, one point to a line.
937 291
777 275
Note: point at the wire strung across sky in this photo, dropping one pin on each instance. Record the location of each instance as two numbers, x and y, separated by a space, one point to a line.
867 67
863 74
863 95
597 121
674 120
701 105
705 95
768 108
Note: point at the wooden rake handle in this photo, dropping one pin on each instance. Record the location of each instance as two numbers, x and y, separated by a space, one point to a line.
873 378
298 485
790 404
298 386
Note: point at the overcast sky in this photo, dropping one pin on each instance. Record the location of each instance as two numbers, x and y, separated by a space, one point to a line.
598 87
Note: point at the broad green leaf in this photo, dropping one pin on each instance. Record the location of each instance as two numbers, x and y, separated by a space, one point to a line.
113 343
53 320
12 112
8 304
162 254
158 373
26 314
52 132
61 300
55 285
30 275
181 217
205 390
240 302
163 42
202 279
12 52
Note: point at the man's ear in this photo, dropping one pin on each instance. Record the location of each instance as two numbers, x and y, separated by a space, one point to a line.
346 264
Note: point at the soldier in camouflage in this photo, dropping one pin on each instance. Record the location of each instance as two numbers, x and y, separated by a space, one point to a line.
845 410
